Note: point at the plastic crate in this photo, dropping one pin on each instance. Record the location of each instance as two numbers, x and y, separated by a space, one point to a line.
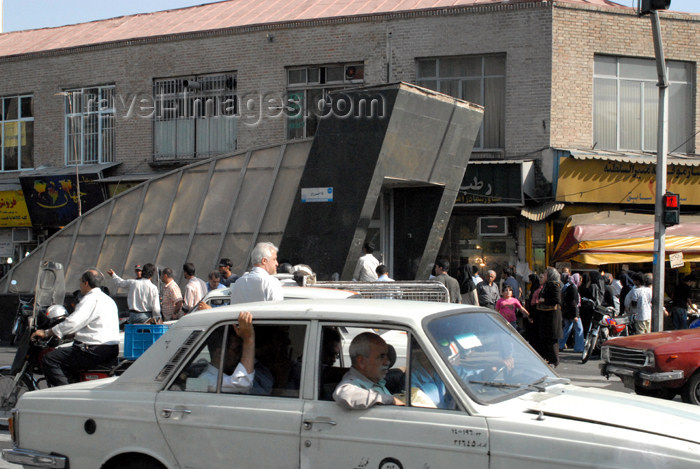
138 337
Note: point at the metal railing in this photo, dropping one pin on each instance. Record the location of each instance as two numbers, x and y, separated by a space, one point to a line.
415 290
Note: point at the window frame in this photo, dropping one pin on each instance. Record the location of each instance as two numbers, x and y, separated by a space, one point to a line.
315 79
438 82
19 120
644 85
75 108
177 92
201 345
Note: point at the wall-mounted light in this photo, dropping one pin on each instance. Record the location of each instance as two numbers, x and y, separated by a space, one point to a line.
270 37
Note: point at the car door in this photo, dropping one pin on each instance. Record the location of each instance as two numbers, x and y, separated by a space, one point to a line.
217 429
389 437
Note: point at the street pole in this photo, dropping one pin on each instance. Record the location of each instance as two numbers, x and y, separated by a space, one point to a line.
657 307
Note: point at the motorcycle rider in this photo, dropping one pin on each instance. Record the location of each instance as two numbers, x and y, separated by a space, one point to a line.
95 323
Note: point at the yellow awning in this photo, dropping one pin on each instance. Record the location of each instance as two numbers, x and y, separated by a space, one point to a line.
619 237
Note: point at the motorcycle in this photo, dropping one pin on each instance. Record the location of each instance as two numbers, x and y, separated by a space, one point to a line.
604 325
25 374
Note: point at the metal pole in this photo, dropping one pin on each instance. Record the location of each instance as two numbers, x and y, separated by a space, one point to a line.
657 307
69 95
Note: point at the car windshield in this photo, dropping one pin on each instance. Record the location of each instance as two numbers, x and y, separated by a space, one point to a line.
490 359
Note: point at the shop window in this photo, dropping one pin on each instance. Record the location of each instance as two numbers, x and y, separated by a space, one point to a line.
307 92
625 104
89 125
479 79
17 132
195 116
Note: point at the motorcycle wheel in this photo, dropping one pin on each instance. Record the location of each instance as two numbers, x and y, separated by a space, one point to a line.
9 393
588 346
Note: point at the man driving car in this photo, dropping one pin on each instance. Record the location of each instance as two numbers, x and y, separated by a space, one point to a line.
363 385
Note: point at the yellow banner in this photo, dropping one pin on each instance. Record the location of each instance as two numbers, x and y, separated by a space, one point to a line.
615 182
13 210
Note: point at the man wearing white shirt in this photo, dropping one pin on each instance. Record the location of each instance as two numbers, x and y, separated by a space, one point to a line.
383 274
142 297
238 361
366 268
195 289
95 323
259 284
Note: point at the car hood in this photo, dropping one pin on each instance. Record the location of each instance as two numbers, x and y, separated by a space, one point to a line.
656 339
646 414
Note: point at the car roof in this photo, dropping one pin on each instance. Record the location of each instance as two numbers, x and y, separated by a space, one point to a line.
346 310
292 292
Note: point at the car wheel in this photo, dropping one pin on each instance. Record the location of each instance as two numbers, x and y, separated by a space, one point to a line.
659 393
691 390
135 462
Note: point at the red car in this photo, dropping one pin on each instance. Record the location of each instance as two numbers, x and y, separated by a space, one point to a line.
661 364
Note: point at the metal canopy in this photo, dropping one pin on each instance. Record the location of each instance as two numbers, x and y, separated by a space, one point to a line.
200 213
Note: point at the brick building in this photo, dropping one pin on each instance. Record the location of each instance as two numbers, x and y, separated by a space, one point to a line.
565 84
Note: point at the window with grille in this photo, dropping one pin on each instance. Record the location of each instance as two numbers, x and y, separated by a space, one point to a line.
89 125
625 104
480 79
307 91
195 116
16 132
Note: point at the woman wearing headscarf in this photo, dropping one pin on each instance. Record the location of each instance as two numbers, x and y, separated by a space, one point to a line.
549 305
467 288
534 294
570 302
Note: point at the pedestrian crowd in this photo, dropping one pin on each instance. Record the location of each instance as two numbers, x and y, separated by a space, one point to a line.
557 310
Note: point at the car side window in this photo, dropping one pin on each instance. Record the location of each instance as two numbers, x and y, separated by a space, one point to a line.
216 366
334 357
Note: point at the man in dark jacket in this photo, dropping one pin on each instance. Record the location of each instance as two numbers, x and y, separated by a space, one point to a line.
441 275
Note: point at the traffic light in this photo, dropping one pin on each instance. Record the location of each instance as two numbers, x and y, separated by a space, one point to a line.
647 6
672 209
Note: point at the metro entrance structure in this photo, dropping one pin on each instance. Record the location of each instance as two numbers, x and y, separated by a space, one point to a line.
397 159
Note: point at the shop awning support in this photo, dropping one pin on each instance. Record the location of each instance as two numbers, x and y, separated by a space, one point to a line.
657 307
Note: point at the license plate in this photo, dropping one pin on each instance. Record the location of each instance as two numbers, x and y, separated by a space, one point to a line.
628 381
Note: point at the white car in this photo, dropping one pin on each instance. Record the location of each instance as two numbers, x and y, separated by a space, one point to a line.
489 402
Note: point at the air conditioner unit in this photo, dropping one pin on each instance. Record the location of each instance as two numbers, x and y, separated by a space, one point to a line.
493 226
21 235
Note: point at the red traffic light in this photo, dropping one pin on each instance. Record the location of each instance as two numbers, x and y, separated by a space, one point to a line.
671 201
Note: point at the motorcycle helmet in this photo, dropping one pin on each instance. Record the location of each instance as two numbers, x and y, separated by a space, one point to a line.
56 311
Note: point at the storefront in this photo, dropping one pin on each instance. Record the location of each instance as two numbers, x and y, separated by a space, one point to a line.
609 214
16 235
486 228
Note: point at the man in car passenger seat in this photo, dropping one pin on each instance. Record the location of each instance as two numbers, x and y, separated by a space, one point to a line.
239 358
363 385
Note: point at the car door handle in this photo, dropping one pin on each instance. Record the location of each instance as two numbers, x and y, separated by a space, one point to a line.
308 423
166 413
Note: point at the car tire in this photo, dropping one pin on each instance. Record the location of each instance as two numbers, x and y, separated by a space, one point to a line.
691 390
135 462
658 393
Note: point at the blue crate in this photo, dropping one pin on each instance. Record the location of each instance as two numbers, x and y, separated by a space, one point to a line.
138 337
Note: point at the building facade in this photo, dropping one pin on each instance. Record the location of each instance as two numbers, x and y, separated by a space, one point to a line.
132 97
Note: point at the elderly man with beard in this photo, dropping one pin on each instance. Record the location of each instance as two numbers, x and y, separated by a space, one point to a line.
363 385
